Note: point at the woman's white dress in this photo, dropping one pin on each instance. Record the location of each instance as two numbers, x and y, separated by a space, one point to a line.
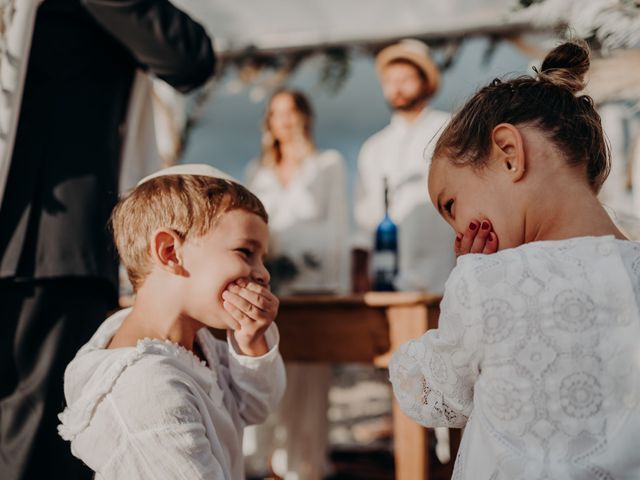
308 222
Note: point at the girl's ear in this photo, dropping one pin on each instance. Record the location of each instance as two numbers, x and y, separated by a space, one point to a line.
507 149
165 250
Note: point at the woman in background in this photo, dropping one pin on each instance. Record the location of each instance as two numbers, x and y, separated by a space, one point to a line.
304 192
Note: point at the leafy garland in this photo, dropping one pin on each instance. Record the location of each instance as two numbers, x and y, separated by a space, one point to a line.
606 24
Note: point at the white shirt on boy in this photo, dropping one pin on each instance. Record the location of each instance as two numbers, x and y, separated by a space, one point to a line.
157 411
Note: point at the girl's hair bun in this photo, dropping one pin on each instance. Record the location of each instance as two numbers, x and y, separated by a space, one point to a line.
566 66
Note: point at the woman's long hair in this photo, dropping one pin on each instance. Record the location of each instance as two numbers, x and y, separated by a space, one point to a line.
271 150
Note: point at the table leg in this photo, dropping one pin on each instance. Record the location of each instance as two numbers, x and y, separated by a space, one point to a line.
410 446
410 439
455 437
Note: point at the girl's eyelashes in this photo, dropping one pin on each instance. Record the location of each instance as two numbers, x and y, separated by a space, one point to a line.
448 206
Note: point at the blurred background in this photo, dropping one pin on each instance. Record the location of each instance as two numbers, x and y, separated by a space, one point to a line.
326 49
227 134
335 235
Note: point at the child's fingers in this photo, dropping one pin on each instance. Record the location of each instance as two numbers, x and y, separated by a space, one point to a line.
237 315
246 307
230 320
481 238
492 244
262 302
468 237
264 292
254 287
456 244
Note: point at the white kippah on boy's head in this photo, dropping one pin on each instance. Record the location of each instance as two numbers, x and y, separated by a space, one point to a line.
190 169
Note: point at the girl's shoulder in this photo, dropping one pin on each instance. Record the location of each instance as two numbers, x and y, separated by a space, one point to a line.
549 250
628 247
537 267
582 251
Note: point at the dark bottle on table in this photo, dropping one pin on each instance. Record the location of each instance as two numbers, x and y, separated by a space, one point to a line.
384 261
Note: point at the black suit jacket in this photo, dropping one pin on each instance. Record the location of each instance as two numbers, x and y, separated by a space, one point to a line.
63 179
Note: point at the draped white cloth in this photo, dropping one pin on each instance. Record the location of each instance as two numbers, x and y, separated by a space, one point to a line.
140 152
16 31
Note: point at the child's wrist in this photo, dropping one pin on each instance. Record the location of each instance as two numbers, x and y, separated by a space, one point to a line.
251 347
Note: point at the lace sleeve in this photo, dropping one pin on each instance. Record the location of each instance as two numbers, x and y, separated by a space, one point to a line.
433 376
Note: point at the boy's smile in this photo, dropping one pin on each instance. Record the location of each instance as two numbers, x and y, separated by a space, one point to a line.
233 249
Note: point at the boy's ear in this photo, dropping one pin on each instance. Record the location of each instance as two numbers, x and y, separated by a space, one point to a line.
507 150
165 250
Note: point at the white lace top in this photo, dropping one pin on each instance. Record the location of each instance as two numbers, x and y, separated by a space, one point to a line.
538 356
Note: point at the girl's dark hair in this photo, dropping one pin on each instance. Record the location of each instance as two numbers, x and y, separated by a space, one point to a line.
271 152
547 101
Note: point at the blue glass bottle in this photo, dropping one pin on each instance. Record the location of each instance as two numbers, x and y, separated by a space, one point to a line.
384 261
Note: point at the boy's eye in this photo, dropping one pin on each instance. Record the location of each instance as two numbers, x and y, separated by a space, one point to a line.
245 251
449 207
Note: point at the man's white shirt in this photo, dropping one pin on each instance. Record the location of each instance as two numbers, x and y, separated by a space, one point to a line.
402 152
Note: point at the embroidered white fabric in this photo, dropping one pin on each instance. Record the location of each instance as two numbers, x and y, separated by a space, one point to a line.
157 411
537 354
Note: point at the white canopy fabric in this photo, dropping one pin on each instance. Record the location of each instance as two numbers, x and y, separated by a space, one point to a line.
292 24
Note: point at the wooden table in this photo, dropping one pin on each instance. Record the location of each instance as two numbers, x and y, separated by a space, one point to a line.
363 328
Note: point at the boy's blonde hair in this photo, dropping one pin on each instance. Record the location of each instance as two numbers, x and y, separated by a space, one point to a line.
190 205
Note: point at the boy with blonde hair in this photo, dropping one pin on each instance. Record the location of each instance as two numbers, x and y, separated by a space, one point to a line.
153 394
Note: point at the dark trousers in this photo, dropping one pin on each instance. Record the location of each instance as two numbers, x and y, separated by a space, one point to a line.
42 326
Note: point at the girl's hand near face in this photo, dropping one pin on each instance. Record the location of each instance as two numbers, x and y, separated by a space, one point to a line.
479 237
252 309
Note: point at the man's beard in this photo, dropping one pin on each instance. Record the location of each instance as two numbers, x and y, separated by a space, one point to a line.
412 104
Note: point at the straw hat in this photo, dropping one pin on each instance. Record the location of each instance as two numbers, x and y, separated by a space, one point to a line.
417 53
190 169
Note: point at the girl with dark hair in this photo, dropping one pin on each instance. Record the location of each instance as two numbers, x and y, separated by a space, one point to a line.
537 351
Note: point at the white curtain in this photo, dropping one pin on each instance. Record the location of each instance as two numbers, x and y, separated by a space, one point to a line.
17 18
